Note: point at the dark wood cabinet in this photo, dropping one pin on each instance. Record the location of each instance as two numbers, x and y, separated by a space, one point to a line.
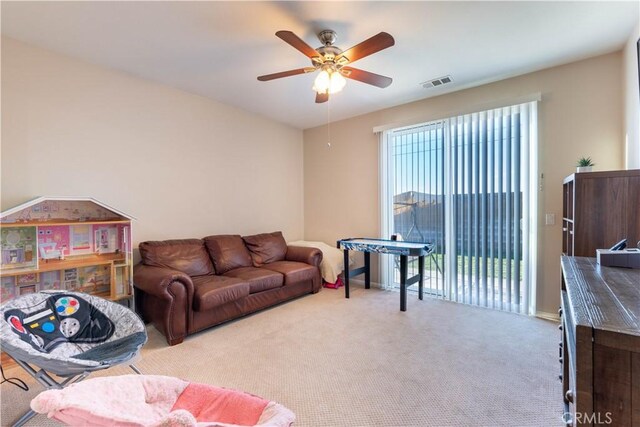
600 347
600 209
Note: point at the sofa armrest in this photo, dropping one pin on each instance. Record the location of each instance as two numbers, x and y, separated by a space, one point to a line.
156 280
311 256
166 299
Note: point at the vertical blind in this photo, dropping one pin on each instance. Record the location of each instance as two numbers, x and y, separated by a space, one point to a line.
466 184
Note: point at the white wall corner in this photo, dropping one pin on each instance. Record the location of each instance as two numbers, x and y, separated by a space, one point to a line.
631 100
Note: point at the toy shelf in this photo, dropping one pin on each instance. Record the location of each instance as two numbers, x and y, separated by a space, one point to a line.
68 263
60 243
62 222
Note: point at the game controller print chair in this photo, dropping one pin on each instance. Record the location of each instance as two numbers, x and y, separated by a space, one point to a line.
68 334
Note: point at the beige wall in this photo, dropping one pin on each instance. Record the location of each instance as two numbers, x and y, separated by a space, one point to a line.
184 165
631 100
580 114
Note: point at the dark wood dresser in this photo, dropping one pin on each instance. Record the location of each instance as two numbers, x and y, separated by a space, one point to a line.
599 209
600 348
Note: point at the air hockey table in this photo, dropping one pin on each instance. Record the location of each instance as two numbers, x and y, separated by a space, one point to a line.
391 247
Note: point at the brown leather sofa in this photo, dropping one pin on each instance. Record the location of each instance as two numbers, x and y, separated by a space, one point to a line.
185 286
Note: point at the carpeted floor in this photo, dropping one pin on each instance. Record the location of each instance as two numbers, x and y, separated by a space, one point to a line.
362 362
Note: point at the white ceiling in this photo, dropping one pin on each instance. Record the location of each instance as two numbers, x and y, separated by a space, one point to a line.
217 49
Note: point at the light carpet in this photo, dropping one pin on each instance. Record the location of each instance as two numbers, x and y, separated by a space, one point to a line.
361 362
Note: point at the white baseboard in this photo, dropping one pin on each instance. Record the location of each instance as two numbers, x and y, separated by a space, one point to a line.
548 316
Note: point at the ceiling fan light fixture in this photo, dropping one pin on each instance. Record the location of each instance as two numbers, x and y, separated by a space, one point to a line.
322 82
329 81
337 82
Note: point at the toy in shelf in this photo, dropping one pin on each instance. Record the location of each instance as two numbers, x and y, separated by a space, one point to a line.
18 246
77 244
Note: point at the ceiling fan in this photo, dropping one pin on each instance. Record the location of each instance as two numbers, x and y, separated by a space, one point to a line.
332 62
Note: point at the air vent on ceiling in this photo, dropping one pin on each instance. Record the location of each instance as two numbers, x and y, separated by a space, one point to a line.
437 82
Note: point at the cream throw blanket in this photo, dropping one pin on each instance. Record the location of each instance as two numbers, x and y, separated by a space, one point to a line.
332 259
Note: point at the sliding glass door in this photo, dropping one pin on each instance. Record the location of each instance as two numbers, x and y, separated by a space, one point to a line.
416 198
466 184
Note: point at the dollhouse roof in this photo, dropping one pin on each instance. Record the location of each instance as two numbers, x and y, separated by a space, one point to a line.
78 208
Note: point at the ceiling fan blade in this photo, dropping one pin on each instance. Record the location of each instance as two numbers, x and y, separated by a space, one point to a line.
366 77
368 47
321 97
298 43
286 74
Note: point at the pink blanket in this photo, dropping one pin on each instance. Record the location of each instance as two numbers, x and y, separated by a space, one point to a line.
153 400
207 403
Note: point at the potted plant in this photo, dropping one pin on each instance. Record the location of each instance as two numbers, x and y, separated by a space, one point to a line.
585 164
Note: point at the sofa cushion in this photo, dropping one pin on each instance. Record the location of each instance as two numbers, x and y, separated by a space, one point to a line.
294 272
213 291
266 248
259 279
228 252
186 255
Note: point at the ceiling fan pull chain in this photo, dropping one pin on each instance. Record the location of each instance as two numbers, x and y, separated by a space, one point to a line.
328 124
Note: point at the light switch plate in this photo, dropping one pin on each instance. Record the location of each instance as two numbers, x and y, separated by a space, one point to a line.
550 219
